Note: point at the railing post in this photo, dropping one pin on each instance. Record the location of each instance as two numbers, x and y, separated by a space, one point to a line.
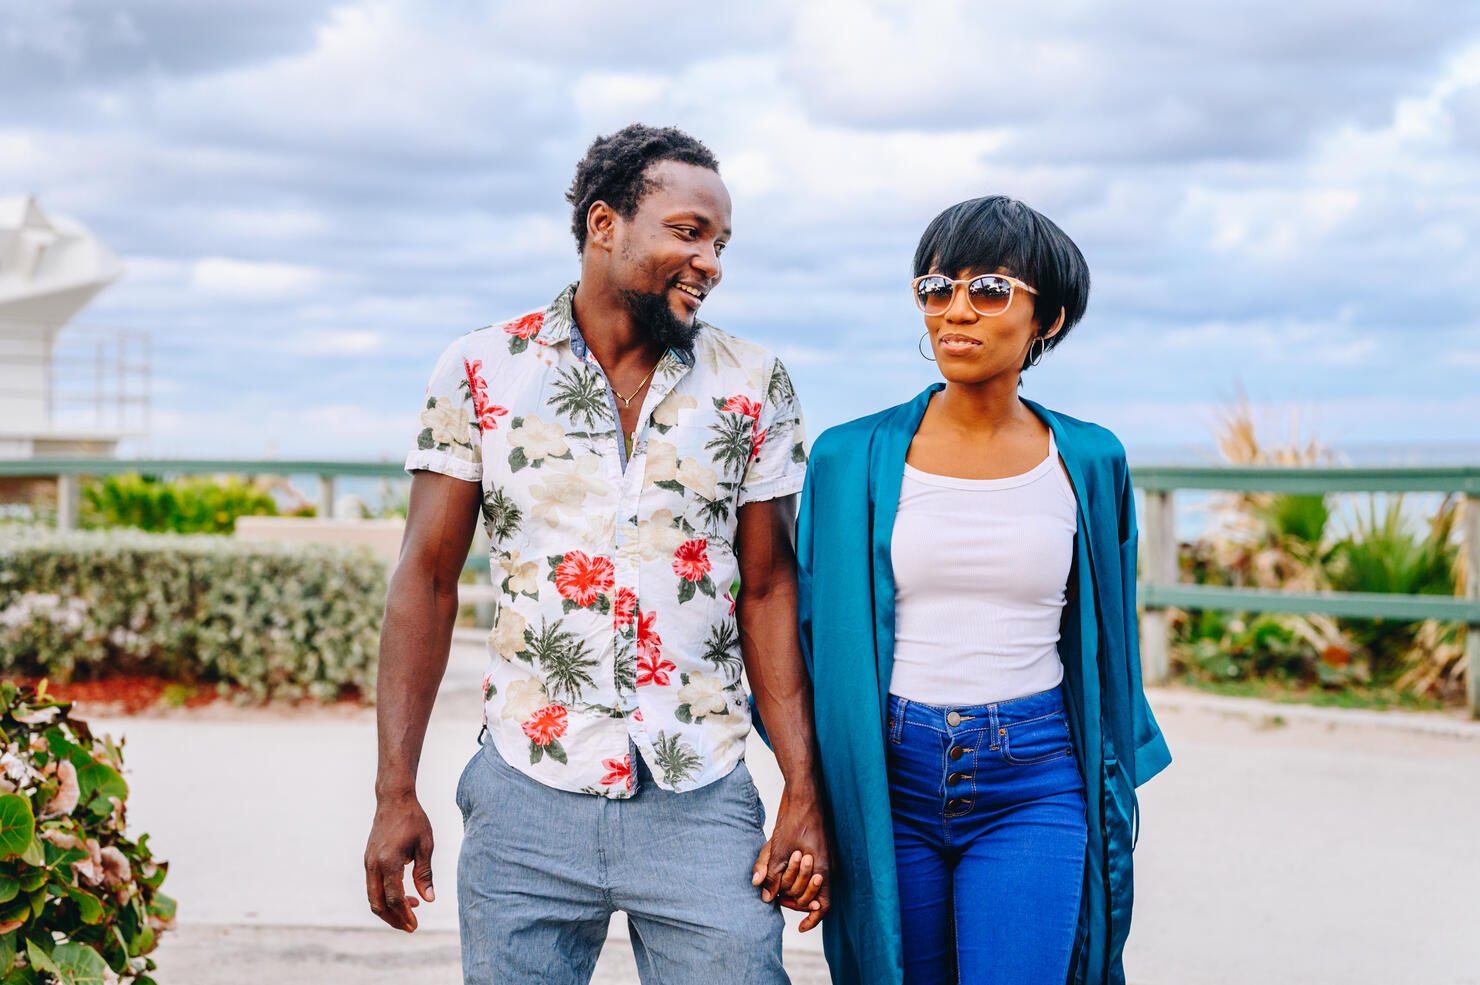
69 501
326 497
1471 546
1161 569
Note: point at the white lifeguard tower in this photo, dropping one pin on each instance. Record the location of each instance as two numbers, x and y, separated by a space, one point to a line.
79 397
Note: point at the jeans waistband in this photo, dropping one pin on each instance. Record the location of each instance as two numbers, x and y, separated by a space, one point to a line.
904 711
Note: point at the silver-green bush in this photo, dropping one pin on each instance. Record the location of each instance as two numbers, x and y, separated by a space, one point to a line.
279 620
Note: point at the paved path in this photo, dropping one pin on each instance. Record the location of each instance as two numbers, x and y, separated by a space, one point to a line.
1285 851
201 954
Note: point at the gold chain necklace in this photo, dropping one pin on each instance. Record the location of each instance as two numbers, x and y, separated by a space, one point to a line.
627 400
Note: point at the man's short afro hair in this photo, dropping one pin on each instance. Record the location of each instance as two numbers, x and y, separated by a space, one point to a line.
615 167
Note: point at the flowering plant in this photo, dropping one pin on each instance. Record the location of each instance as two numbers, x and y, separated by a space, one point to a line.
79 901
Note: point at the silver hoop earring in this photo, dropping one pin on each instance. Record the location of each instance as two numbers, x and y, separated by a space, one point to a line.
1034 360
920 346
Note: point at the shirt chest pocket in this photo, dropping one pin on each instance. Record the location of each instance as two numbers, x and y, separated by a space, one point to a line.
701 452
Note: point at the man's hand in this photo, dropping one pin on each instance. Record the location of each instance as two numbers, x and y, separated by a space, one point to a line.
401 834
798 876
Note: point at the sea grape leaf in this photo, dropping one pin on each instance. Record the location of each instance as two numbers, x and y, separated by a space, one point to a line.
17 825
98 779
40 959
78 964
163 906
89 907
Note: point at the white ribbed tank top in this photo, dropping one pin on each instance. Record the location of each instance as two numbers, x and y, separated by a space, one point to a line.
980 567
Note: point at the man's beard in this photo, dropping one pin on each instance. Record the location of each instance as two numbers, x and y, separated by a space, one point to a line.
656 322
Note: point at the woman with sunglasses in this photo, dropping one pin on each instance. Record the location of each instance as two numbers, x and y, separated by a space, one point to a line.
967 567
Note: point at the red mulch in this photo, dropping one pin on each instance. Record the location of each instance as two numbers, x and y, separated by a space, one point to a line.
130 693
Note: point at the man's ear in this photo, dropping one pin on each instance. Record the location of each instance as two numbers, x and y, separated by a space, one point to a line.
601 222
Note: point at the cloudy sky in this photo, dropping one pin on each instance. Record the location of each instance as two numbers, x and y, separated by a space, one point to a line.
312 199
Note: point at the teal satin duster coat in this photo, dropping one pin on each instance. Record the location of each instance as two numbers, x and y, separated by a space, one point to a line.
846 613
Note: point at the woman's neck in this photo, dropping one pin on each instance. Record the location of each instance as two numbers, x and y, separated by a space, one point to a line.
982 408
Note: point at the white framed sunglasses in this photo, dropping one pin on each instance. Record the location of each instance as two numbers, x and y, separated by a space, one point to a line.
989 294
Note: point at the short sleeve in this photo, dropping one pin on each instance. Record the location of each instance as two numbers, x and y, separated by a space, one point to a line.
449 440
778 462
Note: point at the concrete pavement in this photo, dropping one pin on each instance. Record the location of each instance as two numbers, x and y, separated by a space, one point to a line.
251 955
1279 848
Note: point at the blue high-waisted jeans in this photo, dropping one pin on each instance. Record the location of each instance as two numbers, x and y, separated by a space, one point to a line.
989 836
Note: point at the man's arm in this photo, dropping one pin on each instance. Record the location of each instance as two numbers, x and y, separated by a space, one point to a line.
415 636
794 862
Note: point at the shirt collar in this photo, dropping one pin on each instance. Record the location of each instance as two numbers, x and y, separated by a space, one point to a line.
560 326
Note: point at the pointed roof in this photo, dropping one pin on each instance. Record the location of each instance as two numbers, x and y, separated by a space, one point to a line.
50 266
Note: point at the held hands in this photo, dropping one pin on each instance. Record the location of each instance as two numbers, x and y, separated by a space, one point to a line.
401 834
793 864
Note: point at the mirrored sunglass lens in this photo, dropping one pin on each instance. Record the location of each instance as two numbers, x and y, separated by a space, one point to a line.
990 295
933 294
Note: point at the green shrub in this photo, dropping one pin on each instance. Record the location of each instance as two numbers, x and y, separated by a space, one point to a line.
1226 646
79 901
198 504
279 620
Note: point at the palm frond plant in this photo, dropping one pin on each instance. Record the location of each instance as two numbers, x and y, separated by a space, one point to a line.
565 661
1435 663
1385 553
1270 540
1264 541
676 758
502 514
624 670
722 649
580 396
779 389
731 444
714 513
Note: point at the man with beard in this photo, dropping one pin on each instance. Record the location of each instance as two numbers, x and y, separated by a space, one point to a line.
630 463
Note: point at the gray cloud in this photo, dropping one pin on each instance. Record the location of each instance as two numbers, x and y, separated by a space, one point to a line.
1254 201
1464 111
91 44
1243 79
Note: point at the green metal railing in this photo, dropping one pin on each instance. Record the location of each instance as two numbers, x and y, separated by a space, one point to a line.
67 471
1159 589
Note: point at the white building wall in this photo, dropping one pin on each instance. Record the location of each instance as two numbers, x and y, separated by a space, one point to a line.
25 377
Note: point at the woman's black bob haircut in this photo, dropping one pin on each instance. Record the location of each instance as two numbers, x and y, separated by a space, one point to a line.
985 235
614 170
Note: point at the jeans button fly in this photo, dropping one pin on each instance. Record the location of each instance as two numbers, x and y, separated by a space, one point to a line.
953 719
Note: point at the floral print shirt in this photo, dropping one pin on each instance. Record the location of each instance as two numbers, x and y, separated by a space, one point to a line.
615 617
